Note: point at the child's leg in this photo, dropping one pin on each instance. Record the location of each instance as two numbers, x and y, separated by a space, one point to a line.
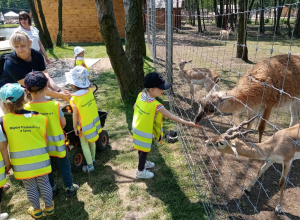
2 215
142 160
86 150
65 170
93 150
51 175
32 192
45 188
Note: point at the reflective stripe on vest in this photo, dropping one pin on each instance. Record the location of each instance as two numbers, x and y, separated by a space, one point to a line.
2 172
144 124
89 122
28 153
55 134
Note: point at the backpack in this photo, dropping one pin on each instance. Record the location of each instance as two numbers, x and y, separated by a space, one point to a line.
2 61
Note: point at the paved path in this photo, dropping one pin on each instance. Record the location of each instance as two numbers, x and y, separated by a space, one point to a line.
4 45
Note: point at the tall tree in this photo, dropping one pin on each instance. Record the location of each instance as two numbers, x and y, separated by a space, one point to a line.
37 22
262 18
198 17
45 28
59 41
220 20
142 41
202 9
279 11
297 25
242 50
128 66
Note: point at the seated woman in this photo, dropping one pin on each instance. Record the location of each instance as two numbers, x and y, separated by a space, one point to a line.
24 60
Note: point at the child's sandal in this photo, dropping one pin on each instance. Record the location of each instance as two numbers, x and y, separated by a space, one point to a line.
50 211
35 213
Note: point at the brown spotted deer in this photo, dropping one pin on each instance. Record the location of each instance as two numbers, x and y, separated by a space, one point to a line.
224 33
280 148
260 88
199 76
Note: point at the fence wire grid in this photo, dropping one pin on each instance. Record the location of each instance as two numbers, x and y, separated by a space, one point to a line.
173 36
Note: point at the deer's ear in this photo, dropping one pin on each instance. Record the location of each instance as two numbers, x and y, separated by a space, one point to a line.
224 99
215 88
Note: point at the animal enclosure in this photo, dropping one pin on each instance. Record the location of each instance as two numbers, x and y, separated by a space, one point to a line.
273 56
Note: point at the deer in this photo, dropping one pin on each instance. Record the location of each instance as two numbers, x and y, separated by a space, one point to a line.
199 76
224 33
269 83
282 148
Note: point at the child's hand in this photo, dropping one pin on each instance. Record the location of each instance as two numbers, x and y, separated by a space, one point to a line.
76 132
65 95
194 125
7 168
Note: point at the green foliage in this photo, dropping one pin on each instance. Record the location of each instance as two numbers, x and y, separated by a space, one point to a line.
267 20
249 21
8 5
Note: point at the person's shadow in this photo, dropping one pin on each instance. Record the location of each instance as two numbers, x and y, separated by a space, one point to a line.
173 198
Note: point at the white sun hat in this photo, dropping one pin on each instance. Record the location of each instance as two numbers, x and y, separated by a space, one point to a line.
78 50
78 76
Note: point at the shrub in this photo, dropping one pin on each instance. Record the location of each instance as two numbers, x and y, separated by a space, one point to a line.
267 20
249 21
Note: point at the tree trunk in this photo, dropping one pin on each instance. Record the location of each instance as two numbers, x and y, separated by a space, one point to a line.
262 18
297 25
235 12
142 40
250 8
198 17
203 14
220 21
130 82
231 17
289 18
242 51
274 19
45 28
216 11
37 22
59 41
279 11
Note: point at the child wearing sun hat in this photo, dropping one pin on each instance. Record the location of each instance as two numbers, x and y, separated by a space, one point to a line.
86 120
28 152
79 57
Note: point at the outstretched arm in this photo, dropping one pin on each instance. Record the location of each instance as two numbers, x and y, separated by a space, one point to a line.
175 118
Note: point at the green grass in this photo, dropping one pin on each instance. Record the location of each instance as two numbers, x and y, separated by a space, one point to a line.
9 25
112 192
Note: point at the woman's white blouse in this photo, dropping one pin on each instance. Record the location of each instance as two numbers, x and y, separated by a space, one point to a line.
33 35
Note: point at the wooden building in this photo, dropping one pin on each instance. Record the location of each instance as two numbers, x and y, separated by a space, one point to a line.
80 21
160 6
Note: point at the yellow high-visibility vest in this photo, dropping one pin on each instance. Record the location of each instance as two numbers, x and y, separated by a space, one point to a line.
145 124
81 63
55 134
26 136
3 179
89 121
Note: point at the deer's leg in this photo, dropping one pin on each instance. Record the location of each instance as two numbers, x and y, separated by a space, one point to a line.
294 109
192 92
285 170
262 123
255 178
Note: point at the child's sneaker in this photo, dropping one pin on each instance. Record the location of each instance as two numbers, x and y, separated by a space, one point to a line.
145 174
72 191
6 187
4 216
50 211
35 213
149 164
88 168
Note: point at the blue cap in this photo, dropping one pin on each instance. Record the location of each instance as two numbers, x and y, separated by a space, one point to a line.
12 91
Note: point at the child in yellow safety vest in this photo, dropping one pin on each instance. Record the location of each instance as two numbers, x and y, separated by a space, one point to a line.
4 168
28 152
86 120
147 120
79 57
36 84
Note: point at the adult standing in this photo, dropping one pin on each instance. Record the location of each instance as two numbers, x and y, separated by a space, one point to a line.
24 60
32 32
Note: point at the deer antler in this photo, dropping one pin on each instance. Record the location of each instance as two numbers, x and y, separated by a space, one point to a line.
229 135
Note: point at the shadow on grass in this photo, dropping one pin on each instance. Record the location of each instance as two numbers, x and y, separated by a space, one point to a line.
174 198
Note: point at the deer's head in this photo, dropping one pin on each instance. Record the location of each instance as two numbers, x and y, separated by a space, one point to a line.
182 63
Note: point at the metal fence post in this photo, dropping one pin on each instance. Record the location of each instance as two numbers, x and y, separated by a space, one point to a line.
153 13
169 40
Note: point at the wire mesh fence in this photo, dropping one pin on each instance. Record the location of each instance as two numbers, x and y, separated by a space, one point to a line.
258 72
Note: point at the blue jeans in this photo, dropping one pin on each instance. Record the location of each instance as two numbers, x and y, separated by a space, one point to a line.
64 167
